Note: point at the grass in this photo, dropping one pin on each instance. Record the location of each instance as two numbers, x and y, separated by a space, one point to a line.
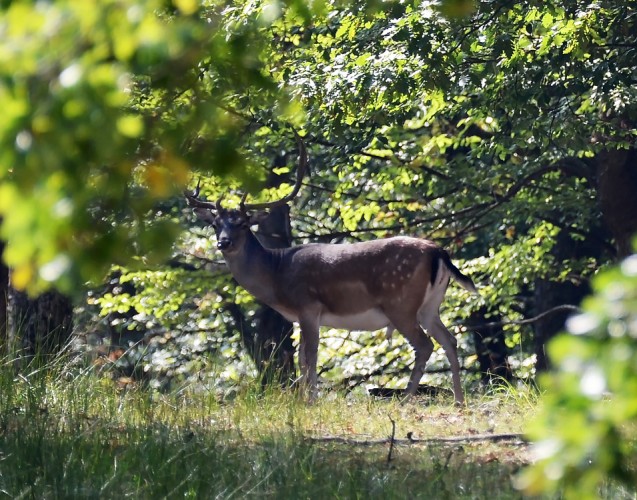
70 435
82 436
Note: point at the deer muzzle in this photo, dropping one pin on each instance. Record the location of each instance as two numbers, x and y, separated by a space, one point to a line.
223 243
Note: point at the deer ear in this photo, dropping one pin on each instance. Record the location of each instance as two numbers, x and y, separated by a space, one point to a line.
204 214
257 217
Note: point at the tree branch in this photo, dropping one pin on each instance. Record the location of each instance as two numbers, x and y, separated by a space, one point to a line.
548 312
515 438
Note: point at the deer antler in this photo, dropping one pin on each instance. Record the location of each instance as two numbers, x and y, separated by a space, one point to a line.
194 201
242 203
300 173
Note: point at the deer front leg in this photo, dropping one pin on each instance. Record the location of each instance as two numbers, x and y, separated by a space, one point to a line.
308 355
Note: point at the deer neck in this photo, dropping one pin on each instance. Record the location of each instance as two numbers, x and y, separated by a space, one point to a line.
254 268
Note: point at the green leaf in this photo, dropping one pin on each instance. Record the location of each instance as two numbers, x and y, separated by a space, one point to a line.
130 126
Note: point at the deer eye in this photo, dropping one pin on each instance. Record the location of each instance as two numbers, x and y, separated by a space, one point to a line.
236 221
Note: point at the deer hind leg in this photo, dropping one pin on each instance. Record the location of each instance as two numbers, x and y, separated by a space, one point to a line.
431 321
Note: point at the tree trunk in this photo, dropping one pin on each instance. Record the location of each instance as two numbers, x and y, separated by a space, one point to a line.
491 348
617 197
549 294
274 349
41 327
4 293
617 191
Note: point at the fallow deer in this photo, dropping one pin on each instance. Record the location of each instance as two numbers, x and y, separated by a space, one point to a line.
393 283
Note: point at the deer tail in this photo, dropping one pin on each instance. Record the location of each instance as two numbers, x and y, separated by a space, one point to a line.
463 280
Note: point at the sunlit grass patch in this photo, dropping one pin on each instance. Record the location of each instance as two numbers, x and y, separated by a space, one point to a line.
83 435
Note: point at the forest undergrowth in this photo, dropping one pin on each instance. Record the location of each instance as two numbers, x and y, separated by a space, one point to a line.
80 435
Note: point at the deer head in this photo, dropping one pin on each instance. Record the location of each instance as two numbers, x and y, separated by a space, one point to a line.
232 225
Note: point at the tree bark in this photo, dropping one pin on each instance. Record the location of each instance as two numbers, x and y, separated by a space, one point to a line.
491 348
549 294
616 184
4 293
41 327
617 192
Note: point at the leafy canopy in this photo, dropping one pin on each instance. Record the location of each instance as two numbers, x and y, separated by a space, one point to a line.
105 111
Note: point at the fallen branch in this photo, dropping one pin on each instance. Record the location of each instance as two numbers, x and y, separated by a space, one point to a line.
513 437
